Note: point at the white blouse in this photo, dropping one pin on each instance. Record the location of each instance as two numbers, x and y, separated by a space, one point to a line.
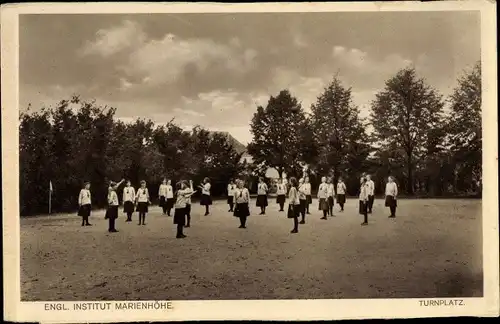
262 189
371 187
162 191
182 198
281 189
363 192
302 192
230 189
142 195
307 189
84 197
391 189
323 190
341 189
206 189
128 194
331 190
241 196
113 198
293 196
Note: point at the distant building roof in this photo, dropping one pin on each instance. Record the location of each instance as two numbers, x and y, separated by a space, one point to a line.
237 145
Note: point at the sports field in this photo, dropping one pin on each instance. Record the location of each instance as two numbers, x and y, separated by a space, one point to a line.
432 249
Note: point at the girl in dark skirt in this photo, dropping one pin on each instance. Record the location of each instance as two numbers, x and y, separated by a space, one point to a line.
112 211
391 192
85 204
206 199
330 195
294 204
307 189
262 196
363 200
143 201
230 195
188 203
182 195
128 201
242 200
341 191
162 194
302 200
281 194
323 196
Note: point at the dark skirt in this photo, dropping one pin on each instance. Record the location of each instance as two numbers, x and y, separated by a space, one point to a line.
302 206
340 199
169 203
84 210
390 201
188 209
205 200
180 216
261 201
128 207
363 207
163 201
331 202
309 199
323 204
280 199
111 212
230 200
142 207
294 211
241 210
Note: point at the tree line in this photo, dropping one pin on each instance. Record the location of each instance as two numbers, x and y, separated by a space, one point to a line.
408 134
68 146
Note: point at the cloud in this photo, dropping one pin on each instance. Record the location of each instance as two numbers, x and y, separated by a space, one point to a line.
189 112
115 39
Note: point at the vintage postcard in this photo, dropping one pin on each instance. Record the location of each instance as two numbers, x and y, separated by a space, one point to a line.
267 161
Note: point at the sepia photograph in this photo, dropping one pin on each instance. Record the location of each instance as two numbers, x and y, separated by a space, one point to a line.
265 155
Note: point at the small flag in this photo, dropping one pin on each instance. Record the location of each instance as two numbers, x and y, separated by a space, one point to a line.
50 186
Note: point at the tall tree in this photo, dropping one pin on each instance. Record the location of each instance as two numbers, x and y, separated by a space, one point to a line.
403 115
464 127
339 132
277 133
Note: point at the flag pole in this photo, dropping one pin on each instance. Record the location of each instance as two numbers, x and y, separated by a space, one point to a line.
50 197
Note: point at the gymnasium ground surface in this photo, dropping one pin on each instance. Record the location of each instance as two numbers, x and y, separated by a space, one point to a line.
432 249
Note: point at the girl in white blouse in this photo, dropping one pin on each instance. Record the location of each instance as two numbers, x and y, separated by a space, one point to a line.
242 199
391 193
188 202
322 196
143 201
294 207
128 200
183 195
162 195
230 195
85 204
341 192
330 195
113 203
262 196
303 200
363 199
307 190
281 194
206 199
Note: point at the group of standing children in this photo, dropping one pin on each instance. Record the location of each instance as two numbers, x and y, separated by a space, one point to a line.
140 201
367 197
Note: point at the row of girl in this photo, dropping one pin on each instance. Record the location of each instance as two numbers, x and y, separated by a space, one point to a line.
140 201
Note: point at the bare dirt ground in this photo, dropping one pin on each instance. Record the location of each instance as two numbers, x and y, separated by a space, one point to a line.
433 249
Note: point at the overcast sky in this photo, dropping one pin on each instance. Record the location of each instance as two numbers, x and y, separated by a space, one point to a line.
212 69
